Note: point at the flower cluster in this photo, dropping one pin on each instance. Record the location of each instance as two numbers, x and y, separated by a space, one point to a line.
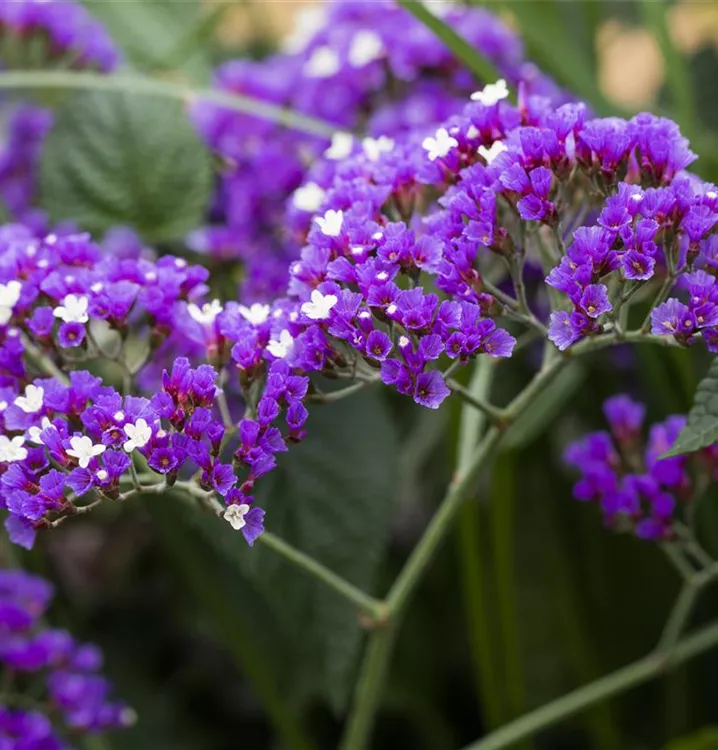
624 474
370 67
64 302
74 693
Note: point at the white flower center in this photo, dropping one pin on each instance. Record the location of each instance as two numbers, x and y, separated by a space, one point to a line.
32 400
138 434
331 223
256 314
72 310
440 144
319 306
234 516
491 94
82 448
308 197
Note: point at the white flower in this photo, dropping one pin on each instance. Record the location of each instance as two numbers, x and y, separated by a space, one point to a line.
440 145
342 144
439 8
83 450
712 195
34 431
279 348
72 310
32 400
12 450
323 63
320 305
9 295
206 314
256 314
375 147
307 23
493 151
331 223
491 94
234 516
366 47
139 435
309 197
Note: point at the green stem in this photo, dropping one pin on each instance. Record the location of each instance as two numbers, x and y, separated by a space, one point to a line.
76 80
482 68
476 402
472 567
373 608
440 524
643 670
604 340
367 694
502 522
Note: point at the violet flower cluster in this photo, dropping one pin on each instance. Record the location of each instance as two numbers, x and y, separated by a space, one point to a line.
52 683
624 474
65 304
370 67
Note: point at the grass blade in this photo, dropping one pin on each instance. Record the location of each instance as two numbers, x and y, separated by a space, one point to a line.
465 52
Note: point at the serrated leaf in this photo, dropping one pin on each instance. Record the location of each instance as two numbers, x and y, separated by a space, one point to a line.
701 430
115 158
151 32
332 497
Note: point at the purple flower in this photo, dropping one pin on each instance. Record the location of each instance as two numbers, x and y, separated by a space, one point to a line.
431 389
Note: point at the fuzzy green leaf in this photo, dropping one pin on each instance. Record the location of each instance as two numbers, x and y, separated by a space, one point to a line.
701 429
115 158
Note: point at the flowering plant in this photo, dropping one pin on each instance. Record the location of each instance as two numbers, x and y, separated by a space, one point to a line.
403 228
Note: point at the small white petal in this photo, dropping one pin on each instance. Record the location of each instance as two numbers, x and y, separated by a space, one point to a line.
32 400
323 63
496 148
235 516
308 197
366 46
319 306
342 145
256 314
440 145
207 314
331 223
491 94
281 347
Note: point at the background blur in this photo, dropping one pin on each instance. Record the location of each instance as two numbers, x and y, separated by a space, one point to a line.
218 647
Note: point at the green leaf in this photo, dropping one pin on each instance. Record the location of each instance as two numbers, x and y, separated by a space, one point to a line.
332 497
536 419
114 158
465 52
705 739
702 427
149 33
